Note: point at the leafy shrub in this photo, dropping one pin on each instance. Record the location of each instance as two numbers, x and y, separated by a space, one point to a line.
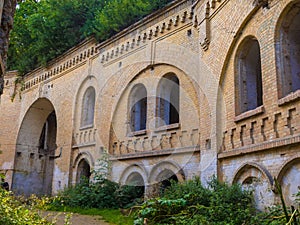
101 194
191 203
190 190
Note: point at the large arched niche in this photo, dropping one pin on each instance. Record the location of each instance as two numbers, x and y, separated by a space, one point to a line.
223 103
257 178
289 180
35 150
150 77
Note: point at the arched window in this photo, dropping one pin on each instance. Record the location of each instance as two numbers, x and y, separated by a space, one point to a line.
88 107
288 52
138 108
168 100
248 80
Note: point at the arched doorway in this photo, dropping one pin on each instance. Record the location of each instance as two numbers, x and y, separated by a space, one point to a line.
83 171
136 180
166 178
35 150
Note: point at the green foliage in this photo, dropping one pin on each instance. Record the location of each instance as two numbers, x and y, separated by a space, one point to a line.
191 190
191 203
13 211
100 193
45 29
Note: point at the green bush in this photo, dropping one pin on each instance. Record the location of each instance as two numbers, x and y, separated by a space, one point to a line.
102 194
190 203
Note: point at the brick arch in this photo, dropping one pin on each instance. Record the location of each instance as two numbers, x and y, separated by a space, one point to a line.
134 168
256 177
188 62
288 178
128 83
245 171
238 29
79 158
33 152
158 169
84 155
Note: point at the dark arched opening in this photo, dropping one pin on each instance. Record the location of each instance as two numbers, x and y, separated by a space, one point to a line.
83 171
35 150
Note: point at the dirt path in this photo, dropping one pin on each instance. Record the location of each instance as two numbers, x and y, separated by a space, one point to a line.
76 219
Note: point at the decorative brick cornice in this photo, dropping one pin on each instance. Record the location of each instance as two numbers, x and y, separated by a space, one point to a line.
142 37
61 65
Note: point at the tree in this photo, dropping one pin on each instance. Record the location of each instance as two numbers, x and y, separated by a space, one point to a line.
44 29
6 21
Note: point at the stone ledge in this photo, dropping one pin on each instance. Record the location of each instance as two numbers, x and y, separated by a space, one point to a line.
250 113
289 98
137 133
183 150
84 145
167 127
281 142
86 127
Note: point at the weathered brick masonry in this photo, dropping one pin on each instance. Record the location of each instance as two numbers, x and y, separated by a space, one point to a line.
196 89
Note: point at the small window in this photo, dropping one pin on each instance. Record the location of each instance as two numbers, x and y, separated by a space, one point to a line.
88 107
168 100
288 52
248 82
138 108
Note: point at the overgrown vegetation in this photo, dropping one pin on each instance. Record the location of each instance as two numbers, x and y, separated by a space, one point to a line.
190 203
186 203
102 195
45 29
15 211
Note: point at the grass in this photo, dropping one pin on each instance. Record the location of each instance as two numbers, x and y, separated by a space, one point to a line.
112 216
